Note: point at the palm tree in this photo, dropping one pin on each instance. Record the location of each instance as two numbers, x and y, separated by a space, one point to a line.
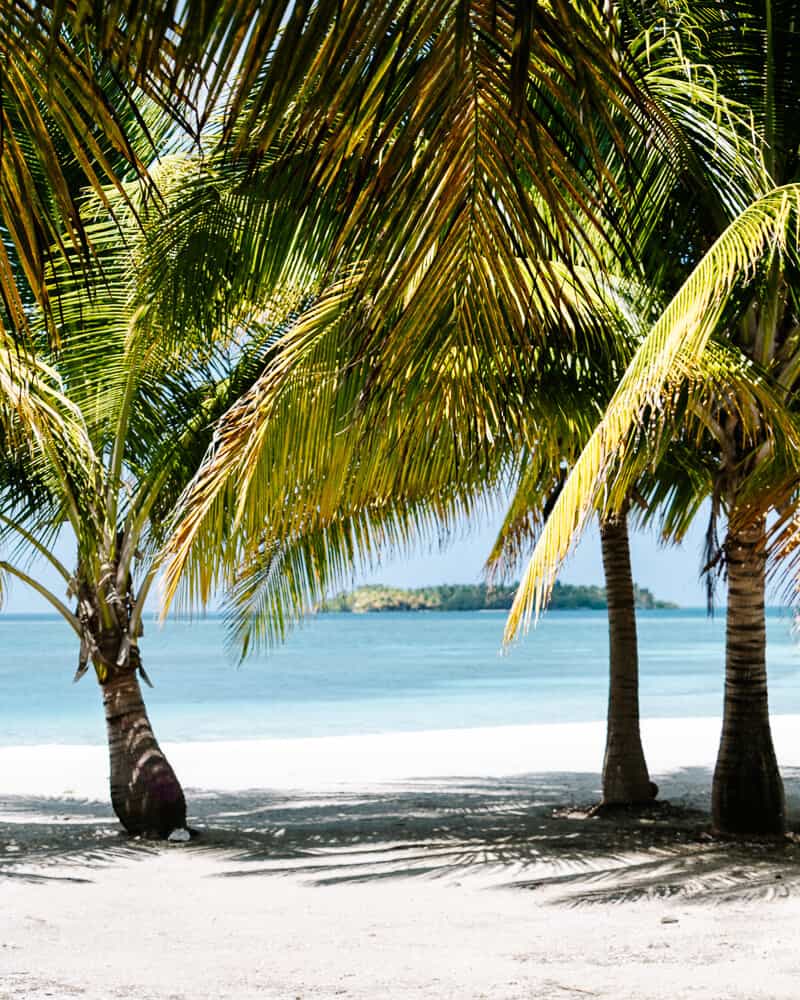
757 467
70 122
140 408
754 49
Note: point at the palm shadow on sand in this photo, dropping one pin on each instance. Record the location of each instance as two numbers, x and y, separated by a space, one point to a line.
527 833
61 840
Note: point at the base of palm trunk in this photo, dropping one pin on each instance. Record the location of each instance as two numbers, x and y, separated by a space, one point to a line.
145 793
625 777
747 795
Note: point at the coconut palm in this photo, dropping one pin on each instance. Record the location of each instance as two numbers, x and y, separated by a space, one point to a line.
754 463
745 287
294 566
453 297
142 408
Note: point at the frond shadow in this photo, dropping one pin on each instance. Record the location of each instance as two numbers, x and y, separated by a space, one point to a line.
46 840
527 833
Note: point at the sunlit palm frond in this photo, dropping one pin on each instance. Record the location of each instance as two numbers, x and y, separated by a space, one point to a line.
466 162
675 342
32 404
47 457
323 422
281 584
716 134
67 123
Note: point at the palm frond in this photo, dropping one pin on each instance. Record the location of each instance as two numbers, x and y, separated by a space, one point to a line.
676 341
285 581
322 423
66 123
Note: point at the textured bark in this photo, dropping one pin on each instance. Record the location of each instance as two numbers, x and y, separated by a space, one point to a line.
145 792
747 794
625 777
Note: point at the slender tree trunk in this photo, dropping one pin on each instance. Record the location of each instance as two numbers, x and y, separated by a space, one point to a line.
747 795
145 792
625 777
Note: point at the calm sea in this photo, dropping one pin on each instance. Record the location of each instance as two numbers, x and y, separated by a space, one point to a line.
345 673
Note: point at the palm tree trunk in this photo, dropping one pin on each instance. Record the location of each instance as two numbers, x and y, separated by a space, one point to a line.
625 777
145 792
747 794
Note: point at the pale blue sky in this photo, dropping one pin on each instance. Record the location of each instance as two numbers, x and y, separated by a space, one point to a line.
670 573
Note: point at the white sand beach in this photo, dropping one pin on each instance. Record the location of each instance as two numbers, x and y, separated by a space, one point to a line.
671 744
437 864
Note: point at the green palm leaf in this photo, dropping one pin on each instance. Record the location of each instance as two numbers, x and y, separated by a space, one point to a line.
676 341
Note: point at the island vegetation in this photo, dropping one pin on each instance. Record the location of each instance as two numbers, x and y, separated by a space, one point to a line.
476 597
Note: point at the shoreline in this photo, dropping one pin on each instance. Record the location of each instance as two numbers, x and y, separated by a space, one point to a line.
357 761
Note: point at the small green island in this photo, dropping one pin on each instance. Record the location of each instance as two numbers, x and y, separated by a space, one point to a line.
475 597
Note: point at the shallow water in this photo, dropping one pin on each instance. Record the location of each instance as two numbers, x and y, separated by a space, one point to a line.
385 672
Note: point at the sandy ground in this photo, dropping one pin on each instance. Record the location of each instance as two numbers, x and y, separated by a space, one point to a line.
405 865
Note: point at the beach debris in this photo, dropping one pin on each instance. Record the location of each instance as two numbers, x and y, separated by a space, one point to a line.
180 836
669 920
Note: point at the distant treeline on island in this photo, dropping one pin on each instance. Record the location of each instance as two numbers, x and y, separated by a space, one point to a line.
474 597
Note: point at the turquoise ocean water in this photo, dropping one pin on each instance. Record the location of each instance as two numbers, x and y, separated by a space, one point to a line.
344 674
